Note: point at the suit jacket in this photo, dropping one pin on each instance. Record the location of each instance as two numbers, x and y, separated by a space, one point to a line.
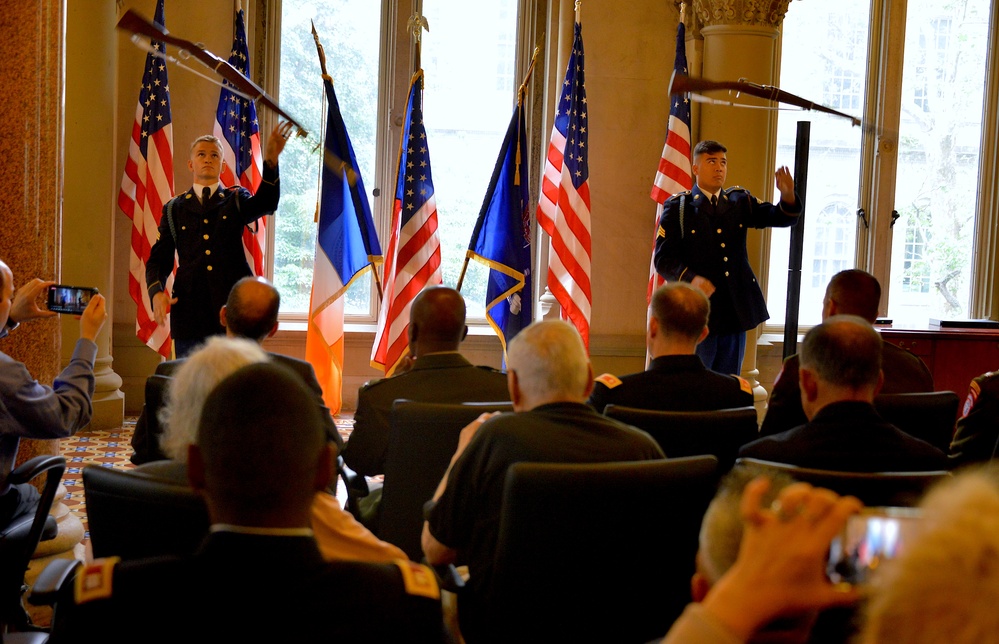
248 587
437 377
978 428
712 244
208 241
904 373
848 436
146 437
673 383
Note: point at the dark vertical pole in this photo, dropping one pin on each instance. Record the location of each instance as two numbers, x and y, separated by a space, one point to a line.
797 240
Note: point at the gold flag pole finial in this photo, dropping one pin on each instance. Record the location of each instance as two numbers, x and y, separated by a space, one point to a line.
522 91
416 24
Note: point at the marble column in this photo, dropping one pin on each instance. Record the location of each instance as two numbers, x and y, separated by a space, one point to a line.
740 41
89 206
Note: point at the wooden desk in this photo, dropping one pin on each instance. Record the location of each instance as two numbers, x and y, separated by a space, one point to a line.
953 356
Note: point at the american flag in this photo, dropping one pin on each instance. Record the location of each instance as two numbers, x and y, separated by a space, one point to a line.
346 247
146 185
236 125
674 174
413 257
564 206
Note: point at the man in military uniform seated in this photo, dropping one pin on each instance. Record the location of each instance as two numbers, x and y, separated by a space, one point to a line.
840 375
676 379
850 292
977 435
550 378
251 312
260 458
436 373
702 240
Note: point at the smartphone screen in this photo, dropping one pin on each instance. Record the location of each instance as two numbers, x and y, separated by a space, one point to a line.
869 539
69 299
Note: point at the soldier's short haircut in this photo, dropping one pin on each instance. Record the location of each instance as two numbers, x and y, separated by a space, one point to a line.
207 138
856 292
844 350
708 147
681 309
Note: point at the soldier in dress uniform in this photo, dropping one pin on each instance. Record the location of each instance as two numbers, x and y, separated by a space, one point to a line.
702 240
676 379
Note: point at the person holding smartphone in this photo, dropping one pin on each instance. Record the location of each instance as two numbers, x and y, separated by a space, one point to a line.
29 409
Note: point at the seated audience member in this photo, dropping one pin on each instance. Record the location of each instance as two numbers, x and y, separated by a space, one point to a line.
780 570
260 459
839 376
851 292
339 535
32 410
438 374
676 379
977 434
251 312
943 585
550 378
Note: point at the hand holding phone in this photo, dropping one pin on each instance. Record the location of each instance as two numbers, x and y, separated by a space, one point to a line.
70 299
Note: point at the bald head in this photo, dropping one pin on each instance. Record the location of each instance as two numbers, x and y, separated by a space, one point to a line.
261 449
844 351
252 309
679 319
547 363
437 321
852 292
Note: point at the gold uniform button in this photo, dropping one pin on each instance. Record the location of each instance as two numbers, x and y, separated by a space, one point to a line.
726 273
206 221
692 231
722 244
208 252
183 227
724 259
719 231
209 267
206 237
224 217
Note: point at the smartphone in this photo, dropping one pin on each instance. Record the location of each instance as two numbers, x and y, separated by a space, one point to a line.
70 299
870 538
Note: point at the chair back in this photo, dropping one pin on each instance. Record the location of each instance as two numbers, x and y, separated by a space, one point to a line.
927 416
20 537
903 489
133 516
422 440
690 433
597 552
146 438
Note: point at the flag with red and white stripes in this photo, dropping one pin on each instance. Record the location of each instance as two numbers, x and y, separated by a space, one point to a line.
674 173
236 126
564 206
146 185
413 256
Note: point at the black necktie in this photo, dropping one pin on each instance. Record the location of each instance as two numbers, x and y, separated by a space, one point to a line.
714 199
206 195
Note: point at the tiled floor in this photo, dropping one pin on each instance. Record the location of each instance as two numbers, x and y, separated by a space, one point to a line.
111 448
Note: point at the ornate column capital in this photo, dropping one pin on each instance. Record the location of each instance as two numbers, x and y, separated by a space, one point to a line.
759 13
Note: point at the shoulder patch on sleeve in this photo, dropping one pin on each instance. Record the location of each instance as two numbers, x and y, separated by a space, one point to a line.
973 392
608 380
745 385
418 579
93 581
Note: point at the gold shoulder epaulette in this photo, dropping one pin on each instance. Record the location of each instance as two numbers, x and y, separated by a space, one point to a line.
93 581
418 579
608 380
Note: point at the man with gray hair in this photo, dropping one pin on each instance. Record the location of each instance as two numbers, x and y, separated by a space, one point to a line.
549 378
839 376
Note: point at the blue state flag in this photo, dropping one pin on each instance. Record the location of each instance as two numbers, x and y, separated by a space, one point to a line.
502 236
